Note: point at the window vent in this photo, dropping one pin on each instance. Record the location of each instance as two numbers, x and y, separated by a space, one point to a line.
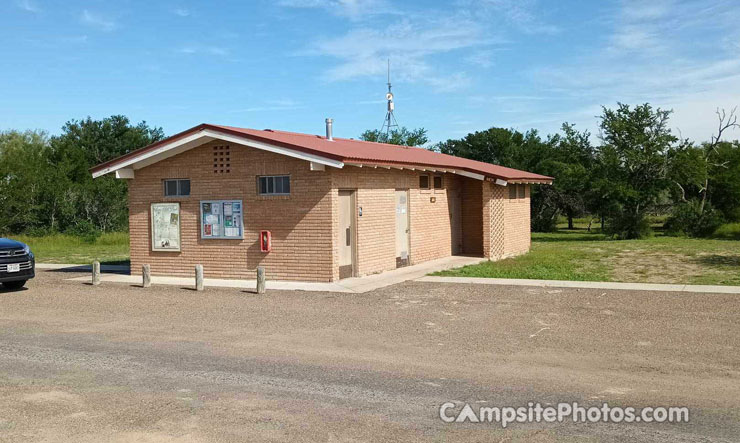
221 159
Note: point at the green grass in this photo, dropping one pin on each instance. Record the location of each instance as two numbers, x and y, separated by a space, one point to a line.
730 231
579 255
111 248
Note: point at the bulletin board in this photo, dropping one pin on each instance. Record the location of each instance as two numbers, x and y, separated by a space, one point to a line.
221 219
165 226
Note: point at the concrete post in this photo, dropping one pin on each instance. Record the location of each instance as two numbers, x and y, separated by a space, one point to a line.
146 275
96 273
198 277
260 280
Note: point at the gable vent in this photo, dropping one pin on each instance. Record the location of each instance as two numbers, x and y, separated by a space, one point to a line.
221 159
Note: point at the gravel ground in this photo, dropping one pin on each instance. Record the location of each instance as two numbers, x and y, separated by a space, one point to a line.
122 363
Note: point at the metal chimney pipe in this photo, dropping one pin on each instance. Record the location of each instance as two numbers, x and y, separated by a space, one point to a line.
329 135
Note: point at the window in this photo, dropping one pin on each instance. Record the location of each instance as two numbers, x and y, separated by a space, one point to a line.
424 182
512 191
177 188
221 219
437 182
522 191
274 185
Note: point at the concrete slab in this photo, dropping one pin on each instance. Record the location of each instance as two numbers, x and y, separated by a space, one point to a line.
584 284
356 285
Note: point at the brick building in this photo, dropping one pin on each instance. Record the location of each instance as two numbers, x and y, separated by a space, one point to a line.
334 207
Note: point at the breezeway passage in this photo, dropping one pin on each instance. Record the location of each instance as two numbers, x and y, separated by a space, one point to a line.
118 362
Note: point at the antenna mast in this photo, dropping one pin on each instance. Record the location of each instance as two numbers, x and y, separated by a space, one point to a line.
390 123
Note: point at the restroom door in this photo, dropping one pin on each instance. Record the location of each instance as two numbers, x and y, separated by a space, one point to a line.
402 228
346 234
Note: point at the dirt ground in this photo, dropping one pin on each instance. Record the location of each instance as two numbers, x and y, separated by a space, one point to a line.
122 363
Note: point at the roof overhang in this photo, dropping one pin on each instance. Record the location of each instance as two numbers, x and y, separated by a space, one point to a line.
179 144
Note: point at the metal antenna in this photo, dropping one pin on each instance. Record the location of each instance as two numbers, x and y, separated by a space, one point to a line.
390 119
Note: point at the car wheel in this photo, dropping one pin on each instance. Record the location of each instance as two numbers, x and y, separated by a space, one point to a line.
14 284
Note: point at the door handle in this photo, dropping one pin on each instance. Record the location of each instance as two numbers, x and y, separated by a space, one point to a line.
347 235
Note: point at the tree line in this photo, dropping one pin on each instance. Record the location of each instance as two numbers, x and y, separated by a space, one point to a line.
46 185
638 169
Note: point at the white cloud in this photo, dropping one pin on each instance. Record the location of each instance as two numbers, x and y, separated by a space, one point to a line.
97 21
410 46
182 12
204 49
28 5
520 13
671 55
482 58
354 9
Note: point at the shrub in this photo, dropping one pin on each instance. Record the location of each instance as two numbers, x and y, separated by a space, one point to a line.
85 230
729 231
686 219
544 224
628 226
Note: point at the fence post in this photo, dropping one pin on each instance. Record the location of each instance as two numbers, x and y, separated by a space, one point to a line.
260 280
146 275
198 277
96 273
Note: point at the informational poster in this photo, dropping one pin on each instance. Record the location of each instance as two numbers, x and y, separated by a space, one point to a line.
165 226
221 219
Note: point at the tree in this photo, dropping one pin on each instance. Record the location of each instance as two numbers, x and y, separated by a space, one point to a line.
636 143
101 203
571 162
24 180
403 137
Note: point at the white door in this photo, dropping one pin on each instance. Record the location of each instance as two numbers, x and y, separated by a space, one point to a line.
346 234
402 228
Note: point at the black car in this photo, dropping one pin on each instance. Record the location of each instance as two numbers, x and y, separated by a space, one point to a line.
17 264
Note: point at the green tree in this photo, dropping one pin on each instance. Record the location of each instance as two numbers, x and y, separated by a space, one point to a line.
24 180
101 203
403 137
634 155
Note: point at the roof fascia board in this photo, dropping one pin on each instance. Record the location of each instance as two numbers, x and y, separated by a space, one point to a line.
273 148
208 135
147 155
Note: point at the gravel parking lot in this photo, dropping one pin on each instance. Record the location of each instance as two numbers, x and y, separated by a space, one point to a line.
122 363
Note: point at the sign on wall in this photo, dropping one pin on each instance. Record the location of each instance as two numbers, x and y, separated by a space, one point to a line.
221 219
165 226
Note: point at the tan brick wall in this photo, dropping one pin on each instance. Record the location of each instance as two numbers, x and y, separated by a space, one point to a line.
506 227
517 238
431 223
301 223
467 216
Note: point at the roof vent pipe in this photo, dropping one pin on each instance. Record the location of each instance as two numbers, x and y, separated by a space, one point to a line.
329 135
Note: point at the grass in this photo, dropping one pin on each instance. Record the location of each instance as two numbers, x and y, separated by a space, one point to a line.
111 248
730 231
584 256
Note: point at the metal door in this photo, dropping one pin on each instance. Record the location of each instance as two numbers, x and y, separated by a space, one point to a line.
402 228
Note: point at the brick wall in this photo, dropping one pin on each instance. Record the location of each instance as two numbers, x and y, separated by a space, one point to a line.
506 226
435 227
517 238
467 216
301 223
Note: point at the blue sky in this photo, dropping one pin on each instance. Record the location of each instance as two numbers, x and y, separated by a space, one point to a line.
457 66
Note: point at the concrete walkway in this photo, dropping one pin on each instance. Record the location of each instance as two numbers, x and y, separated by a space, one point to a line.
583 284
356 285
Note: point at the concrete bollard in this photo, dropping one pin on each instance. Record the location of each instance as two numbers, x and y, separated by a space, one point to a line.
96 273
146 276
198 277
260 280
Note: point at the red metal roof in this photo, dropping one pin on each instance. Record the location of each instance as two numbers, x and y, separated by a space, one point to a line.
351 151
